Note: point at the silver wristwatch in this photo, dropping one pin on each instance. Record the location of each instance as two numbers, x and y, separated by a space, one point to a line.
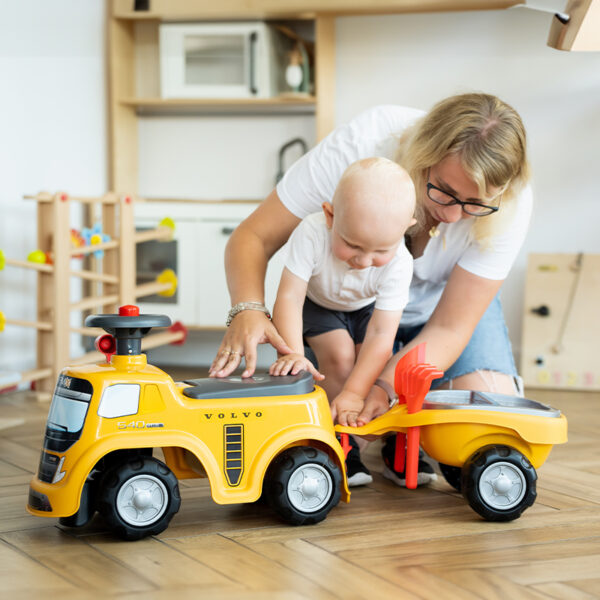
240 306
388 389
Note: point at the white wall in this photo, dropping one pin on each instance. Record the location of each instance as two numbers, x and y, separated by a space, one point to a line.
52 119
53 135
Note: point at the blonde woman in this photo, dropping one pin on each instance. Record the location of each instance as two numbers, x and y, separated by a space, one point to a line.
467 158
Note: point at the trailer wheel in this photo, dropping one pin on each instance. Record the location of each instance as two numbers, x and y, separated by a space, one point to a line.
139 498
303 485
452 475
499 483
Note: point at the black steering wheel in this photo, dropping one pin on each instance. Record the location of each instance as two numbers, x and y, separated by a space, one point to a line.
128 327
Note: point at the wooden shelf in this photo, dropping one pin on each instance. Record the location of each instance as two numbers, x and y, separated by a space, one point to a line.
200 10
280 104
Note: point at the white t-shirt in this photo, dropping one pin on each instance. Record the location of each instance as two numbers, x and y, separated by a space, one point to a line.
333 284
313 179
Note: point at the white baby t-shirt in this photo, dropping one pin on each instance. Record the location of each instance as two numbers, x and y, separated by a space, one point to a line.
333 284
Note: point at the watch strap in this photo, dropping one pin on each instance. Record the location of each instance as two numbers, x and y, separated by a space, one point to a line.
388 389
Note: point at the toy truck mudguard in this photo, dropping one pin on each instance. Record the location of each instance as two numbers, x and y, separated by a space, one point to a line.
253 436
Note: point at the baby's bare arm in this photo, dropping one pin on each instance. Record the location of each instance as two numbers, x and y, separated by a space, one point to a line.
372 358
287 312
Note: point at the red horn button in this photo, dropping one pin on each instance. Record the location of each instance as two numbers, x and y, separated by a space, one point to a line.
129 310
106 344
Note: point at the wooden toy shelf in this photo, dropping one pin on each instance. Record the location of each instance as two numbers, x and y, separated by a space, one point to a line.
116 280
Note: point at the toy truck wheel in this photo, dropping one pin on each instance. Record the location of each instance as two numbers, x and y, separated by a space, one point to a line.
499 483
139 498
303 485
452 475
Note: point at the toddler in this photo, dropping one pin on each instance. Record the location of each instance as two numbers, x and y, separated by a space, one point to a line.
344 286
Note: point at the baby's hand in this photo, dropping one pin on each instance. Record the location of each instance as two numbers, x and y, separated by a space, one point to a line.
293 364
346 407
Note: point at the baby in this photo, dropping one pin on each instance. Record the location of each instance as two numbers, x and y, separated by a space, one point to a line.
345 284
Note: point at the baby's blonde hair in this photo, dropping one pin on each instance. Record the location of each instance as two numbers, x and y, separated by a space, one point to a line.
380 168
489 138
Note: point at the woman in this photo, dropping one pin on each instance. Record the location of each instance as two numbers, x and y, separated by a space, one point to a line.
467 158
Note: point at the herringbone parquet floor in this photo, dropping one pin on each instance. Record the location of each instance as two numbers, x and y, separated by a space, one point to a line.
387 543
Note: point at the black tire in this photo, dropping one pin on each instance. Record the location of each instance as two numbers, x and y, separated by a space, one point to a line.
452 475
158 497
316 472
499 483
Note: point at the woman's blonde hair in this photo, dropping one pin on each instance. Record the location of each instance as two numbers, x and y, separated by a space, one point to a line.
489 138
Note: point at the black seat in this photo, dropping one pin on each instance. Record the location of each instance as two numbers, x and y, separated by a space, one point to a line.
248 387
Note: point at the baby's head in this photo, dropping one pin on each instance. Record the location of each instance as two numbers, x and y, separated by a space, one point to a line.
371 210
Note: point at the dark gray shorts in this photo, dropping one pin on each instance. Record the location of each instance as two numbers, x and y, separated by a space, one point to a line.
317 320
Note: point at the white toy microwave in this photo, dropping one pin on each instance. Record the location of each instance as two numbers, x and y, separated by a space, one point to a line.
220 60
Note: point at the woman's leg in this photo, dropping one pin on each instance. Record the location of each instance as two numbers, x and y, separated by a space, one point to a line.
483 381
486 364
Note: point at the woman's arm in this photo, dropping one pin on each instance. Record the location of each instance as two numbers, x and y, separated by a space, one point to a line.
466 297
249 249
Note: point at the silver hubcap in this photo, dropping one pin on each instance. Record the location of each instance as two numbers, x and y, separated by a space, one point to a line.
502 485
309 488
142 500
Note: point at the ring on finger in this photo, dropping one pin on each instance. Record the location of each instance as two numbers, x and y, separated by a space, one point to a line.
225 352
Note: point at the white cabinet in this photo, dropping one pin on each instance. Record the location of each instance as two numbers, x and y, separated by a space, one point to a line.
196 254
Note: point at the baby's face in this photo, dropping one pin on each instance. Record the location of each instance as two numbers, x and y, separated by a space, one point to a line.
373 204
362 245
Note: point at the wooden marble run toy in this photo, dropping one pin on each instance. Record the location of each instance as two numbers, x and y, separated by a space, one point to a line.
114 274
259 435
488 445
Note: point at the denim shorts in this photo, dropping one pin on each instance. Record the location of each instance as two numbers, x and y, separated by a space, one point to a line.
317 320
488 349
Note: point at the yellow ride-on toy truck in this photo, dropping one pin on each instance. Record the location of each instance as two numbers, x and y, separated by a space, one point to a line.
271 435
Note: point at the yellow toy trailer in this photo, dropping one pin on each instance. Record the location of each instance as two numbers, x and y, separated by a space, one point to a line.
271 435
488 445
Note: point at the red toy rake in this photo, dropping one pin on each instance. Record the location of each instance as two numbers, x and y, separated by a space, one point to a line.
412 380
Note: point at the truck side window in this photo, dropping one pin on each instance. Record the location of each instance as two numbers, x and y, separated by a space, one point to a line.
119 400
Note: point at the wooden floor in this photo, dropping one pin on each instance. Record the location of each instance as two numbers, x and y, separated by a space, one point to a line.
387 543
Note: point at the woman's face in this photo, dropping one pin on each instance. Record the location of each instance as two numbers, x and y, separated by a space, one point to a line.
449 176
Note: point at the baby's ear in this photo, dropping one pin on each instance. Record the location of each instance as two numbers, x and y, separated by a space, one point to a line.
328 212
413 221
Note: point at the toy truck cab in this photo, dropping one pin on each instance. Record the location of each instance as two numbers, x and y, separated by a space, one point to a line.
109 423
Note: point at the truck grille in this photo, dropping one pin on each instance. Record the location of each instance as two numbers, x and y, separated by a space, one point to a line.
233 459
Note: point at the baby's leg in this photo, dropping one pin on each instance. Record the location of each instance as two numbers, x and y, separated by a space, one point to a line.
336 356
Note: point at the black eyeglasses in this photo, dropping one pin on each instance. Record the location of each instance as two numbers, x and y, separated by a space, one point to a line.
475 209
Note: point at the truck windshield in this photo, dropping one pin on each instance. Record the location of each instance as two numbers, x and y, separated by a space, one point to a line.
67 413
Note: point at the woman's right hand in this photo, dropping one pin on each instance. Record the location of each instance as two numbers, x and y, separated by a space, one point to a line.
248 329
